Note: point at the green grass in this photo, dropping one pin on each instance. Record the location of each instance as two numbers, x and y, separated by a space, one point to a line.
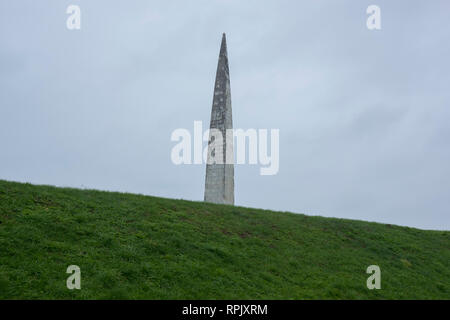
139 247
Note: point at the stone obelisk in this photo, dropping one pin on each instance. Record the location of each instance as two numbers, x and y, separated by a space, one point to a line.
219 182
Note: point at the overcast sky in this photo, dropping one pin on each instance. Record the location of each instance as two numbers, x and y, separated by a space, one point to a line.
363 115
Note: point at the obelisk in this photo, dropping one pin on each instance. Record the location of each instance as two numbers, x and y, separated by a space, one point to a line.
219 182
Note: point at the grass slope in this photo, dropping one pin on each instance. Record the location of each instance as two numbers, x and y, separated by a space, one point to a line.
140 247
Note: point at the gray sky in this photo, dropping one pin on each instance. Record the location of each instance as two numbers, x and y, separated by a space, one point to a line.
363 115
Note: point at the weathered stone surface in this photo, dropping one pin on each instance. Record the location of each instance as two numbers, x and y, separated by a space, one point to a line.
219 182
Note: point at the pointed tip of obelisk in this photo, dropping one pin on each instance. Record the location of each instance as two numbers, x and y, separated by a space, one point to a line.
224 39
223 46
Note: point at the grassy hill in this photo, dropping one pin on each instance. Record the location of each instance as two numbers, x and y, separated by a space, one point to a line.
141 247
